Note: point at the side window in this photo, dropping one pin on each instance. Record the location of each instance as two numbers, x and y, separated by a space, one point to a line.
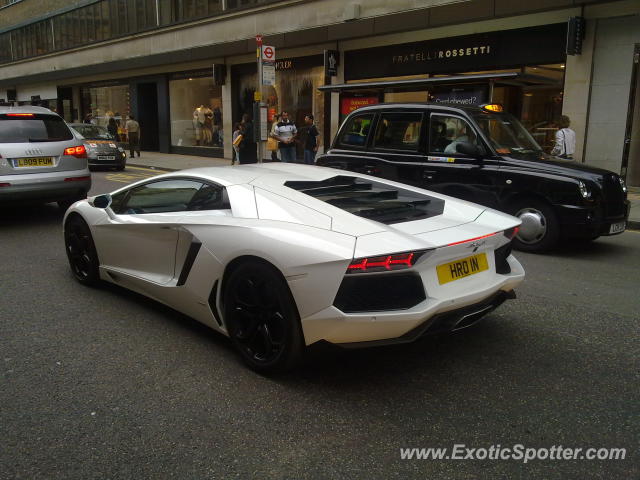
356 131
209 197
399 131
117 199
445 132
160 197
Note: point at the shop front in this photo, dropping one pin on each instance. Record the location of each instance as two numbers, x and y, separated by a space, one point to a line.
178 112
295 91
523 69
195 106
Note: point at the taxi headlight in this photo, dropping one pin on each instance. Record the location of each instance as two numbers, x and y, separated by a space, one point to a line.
584 191
622 184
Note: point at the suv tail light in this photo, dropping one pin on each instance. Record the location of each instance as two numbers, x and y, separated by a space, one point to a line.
78 152
384 263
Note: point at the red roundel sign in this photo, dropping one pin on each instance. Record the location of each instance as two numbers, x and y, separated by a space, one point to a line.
268 53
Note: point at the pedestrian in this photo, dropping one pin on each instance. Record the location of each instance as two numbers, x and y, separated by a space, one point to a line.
285 133
237 132
112 128
217 126
311 142
272 134
248 153
133 133
565 145
87 118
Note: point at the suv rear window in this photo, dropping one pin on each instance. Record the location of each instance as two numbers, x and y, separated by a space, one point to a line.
26 128
369 199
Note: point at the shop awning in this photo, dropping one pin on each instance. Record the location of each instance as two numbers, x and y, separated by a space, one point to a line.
509 78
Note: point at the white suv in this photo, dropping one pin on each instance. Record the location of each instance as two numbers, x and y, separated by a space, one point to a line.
40 158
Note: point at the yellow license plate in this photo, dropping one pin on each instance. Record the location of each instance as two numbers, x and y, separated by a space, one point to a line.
464 267
34 162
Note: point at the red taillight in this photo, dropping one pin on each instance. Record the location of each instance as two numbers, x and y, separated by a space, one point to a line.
77 179
5 184
472 239
397 261
20 115
512 232
79 151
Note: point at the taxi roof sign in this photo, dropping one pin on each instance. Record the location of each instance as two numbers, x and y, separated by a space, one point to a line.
492 107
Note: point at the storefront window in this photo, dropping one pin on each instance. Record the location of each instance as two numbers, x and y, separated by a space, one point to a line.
296 92
196 112
102 103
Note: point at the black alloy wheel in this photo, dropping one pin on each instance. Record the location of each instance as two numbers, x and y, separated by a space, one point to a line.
81 251
262 319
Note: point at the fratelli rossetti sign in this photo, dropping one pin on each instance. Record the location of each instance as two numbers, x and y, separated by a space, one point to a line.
507 48
438 54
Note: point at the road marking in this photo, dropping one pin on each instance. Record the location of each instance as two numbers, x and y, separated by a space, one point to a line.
130 176
156 170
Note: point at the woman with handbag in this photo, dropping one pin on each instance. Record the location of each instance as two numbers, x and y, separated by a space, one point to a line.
565 145
236 140
272 143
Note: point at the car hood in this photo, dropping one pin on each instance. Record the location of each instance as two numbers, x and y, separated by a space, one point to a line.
543 163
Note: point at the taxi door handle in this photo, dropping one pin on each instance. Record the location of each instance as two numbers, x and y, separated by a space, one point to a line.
428 174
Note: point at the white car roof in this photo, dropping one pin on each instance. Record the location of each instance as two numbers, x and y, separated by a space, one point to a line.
26 109
273 174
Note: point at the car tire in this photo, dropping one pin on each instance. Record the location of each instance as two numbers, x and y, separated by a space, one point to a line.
120 168
81 251
540 229
262 319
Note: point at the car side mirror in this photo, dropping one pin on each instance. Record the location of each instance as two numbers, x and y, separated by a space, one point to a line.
470 149
102 201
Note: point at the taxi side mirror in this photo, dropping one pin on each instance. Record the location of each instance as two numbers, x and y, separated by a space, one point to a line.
102 201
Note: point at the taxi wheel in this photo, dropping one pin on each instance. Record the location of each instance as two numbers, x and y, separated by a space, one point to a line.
540 229
81 251
120 168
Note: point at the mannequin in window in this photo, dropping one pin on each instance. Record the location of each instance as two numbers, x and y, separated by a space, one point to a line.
202 122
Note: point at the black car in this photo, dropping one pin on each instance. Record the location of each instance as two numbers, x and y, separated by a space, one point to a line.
103 149
481 154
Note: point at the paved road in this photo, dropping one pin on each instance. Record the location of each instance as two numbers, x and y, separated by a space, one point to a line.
101 383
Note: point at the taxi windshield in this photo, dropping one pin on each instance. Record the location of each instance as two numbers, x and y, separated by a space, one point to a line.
506 134
93 132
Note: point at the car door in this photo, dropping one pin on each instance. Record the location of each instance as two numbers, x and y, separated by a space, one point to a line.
453 173
141 235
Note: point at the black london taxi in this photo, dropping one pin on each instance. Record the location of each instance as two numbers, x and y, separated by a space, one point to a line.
483 155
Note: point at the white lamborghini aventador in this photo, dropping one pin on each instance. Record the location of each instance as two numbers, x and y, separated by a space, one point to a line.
280 256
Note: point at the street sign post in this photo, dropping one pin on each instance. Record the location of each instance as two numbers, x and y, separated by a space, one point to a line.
268 73
268 53
266 76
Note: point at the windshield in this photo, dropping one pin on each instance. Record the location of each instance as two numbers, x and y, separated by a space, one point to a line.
93 132
506 134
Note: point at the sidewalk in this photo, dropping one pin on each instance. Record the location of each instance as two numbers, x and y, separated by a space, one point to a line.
172 161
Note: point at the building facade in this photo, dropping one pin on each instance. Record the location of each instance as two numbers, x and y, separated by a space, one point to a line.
187 68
